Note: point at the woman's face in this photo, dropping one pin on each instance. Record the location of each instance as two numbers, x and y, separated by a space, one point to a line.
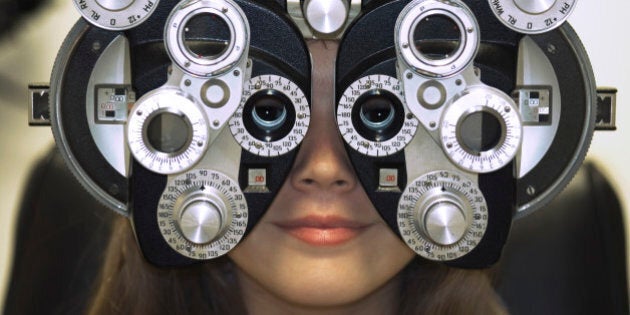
321 243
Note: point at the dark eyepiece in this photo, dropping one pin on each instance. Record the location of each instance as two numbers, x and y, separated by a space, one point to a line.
268 115
378 115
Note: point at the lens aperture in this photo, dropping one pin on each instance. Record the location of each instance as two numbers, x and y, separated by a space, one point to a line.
269 115
437 37
168 132
480 132
378 115
206 36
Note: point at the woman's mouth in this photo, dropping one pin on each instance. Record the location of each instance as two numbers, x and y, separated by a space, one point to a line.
323 230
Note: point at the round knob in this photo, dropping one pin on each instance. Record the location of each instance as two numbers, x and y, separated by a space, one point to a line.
445 223
534 7
442 215
202 214
114 5
201 221
326 16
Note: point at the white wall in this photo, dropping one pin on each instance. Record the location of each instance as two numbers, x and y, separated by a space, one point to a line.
29 58
25 58
600 25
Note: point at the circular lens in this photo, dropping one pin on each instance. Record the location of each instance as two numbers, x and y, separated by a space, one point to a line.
269 115
378 115
437 37
206 36
480 132
168 132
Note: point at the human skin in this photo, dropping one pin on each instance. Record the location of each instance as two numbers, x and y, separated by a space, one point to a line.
321 247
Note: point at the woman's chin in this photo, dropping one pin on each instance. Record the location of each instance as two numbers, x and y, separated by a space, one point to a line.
312 286
319 275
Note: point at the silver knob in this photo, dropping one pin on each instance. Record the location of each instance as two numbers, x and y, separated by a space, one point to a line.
326 16
202 214
442 215
201 221
114 5
534 6
445 223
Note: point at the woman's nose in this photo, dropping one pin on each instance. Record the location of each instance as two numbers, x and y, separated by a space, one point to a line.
322 164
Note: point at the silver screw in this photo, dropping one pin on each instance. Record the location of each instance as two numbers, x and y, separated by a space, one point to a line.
531 190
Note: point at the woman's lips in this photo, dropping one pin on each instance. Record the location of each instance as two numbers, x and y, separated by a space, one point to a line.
323 230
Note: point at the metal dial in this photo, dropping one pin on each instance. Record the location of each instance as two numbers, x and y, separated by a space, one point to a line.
481 131
326 16
442 215
203 61
167 132
116 15
202 214
373 118
532 17
411 20
273 116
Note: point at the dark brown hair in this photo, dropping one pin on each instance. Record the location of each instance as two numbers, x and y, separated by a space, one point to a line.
130 285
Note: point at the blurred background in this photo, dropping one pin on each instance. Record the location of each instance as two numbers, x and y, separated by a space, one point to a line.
28 51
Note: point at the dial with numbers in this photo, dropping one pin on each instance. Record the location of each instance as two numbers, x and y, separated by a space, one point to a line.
442 215
116 15
167 132
532 17
202 214
481 131
273 116
373 118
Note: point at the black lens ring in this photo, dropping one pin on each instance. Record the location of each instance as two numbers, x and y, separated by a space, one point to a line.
268 135
378 135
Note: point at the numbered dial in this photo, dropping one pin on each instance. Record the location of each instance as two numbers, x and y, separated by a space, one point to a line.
532 17
206 38
481 131
273 117
202 214
167 132
442 215
116 15
373 118
458 23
